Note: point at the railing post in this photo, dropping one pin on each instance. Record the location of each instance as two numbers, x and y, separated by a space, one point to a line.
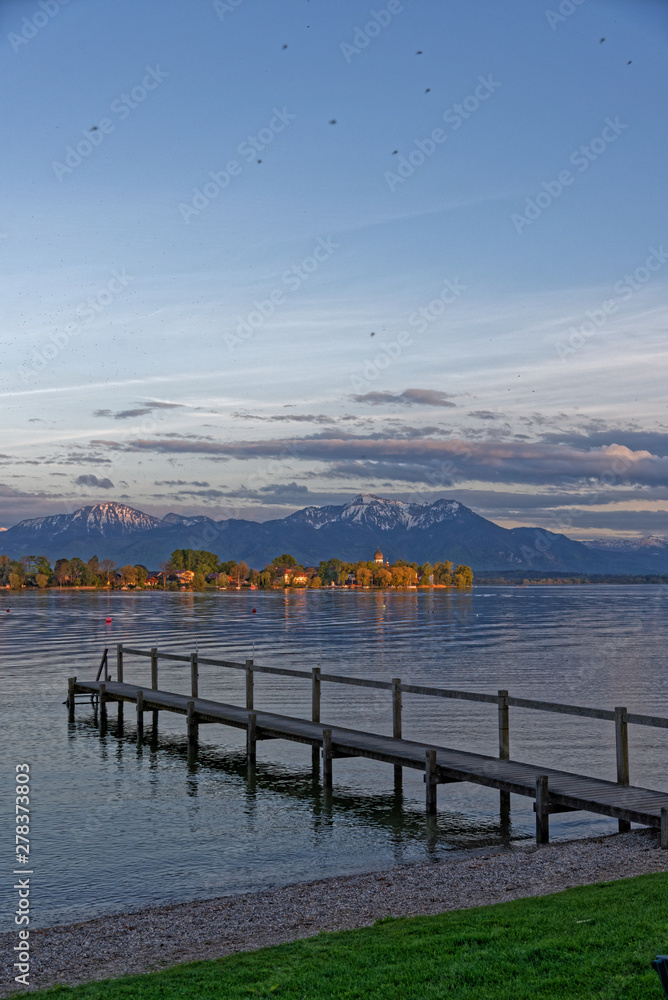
71 681
622 747
154 669
194 675
119 663
249 684
251 738
542 811
315 711
327 758
664 828
504 751
430 780
396 708
107 675
504 726
140 716
315 694
191 723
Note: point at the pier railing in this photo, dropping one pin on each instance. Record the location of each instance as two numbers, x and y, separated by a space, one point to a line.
503 700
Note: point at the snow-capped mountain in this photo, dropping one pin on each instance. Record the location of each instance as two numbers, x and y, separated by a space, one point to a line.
379 513
628 544
103 519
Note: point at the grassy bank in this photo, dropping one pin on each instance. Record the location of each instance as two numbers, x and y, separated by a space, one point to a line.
590 942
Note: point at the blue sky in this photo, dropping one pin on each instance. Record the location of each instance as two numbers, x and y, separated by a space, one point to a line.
262 255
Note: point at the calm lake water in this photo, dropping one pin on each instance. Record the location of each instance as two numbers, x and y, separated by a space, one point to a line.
118 827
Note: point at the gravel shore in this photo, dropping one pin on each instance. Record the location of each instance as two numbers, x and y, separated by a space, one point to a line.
156 938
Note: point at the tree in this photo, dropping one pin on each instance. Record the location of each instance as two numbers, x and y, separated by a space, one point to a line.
315 582
196 560
199 580
63 571
443 573
166 570
42 580
425 571
382 577
239 573
463 576
142 574
15 581
128 575
364 576
107 567
285 561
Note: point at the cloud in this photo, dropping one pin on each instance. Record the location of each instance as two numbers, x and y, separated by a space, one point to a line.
421 397
178 482
484 415
140 411
433 460
100 484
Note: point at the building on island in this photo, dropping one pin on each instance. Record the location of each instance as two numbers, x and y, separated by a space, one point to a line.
378 557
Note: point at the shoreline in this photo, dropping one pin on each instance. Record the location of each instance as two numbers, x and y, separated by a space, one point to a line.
158 937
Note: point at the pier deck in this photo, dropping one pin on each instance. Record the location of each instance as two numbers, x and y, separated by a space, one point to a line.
553 790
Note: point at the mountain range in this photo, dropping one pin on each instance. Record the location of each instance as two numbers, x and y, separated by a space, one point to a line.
444 529
429 532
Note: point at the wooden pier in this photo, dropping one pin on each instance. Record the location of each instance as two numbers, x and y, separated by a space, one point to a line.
553 790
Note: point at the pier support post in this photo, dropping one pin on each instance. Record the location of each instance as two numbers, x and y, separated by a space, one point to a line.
140 716
154 685
327 758
249 684
396 722
103 706
430 780
622 746
542 811
193 728
194 675
315 712
504 752
664 828
71 681
154 669
251 738
119 663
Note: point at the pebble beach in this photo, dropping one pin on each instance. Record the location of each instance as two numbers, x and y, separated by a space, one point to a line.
156 938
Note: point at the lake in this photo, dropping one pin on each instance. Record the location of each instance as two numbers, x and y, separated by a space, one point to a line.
119 827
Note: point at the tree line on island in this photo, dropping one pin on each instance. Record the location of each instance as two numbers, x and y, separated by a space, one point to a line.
197 569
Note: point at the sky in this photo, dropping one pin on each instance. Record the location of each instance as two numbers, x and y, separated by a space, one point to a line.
258 256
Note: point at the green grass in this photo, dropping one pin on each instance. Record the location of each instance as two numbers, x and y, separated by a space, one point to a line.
596 941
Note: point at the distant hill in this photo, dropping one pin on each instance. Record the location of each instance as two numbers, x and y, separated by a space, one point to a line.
445 529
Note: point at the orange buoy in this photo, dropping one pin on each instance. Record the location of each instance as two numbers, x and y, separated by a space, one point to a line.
254 611
108 621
